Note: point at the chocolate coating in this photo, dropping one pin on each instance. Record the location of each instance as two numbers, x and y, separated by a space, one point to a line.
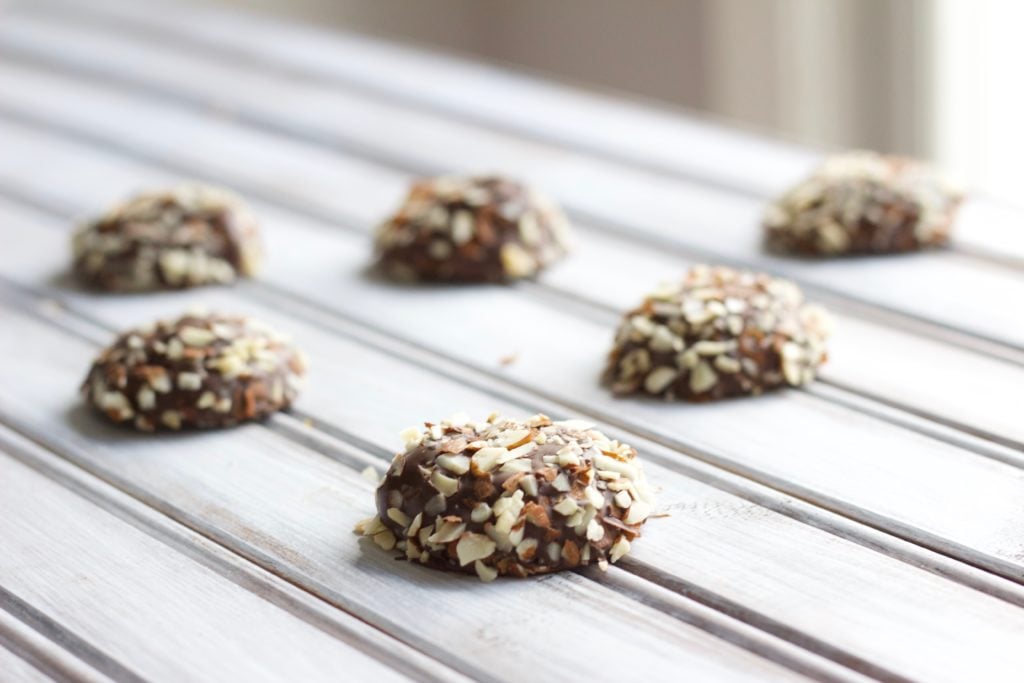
863 203
185 236
471 229
716 334
199 371
511 498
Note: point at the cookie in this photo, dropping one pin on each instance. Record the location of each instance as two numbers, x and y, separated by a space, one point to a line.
718 333
199 371
863 203
186 236
510 497
471 229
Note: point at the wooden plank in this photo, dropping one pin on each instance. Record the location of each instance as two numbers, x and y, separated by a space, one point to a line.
944 289
871 358
26 656
17 670
665 141
265 497
702 516
151 609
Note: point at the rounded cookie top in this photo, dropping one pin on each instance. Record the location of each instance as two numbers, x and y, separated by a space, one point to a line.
471 229
185 236
718 333
199 371
510 497
863 202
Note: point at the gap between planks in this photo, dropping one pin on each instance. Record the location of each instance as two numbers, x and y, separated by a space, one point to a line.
917 324
25 636
740 626
60 637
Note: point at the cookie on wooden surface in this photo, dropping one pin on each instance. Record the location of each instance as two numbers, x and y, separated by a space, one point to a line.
718 333
185 236
863 203
199 371
471 229
510 497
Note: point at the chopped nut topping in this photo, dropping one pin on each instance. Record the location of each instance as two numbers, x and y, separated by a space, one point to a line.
718 333
619 548
511 497
472 547
178 374
863 202
486 574
399 517
186 236
459 464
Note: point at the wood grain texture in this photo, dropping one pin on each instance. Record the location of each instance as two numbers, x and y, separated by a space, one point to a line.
841 460
700 515
700 221
17 670
271 589
26 656
293 510
787 551
667 142
149 608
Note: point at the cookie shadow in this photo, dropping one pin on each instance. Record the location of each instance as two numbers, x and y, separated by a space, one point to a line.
824 259
89 424
373 274
375 560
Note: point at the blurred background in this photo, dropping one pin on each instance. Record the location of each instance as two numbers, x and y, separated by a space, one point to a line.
932 78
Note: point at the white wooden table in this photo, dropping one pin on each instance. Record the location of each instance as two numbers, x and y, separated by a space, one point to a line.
868 527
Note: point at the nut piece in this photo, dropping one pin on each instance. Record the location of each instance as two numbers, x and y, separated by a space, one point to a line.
160 376
863 203
471 229
185 236
718 333
546 513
